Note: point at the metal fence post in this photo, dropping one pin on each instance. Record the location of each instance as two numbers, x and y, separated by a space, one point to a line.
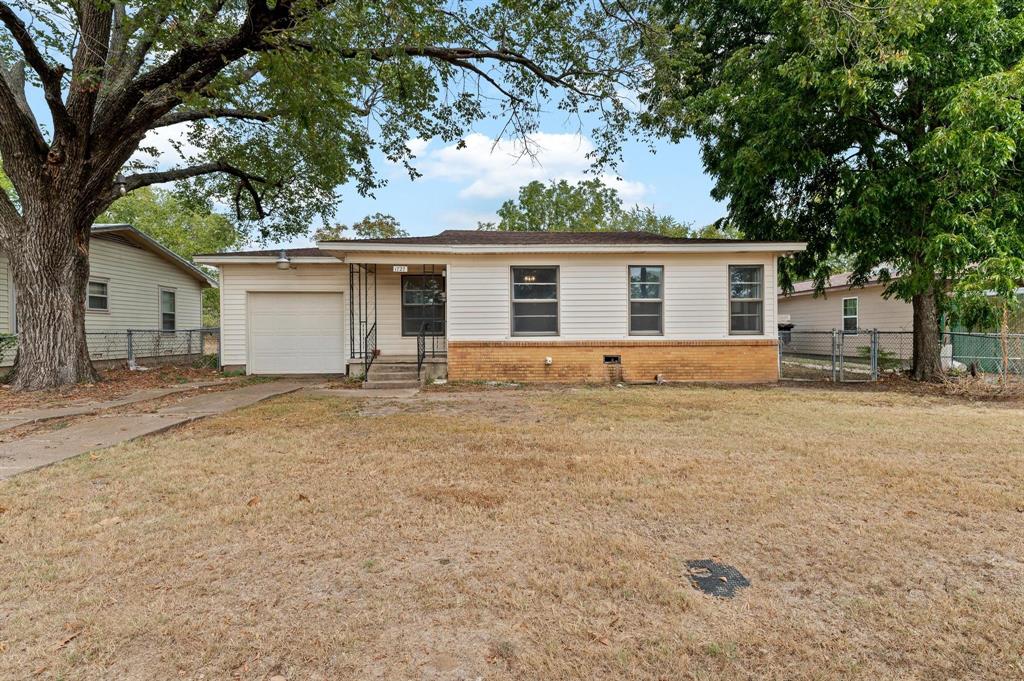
189 342
874 354
131 351
835 348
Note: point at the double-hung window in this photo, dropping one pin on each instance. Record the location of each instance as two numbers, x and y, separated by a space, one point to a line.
746 299
646 300
534 301
97 299
422 304
168 316
850 320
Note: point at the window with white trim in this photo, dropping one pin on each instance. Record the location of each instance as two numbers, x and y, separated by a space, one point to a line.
534 301
746 299
646 300
97 299
168 315
851 309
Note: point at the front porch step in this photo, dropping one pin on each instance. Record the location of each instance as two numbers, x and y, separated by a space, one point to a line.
375 384
393 375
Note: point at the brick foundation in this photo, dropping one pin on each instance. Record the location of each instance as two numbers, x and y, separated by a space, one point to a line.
733 360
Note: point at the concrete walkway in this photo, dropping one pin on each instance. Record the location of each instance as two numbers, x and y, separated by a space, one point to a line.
44 448
24 416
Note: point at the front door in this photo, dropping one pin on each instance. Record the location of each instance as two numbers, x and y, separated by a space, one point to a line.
423 300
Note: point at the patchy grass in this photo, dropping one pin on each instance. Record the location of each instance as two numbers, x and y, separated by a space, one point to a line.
530 534
113 384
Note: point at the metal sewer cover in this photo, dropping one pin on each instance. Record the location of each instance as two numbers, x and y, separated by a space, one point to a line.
715 579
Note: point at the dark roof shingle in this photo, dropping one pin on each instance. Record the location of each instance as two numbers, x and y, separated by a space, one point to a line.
474 237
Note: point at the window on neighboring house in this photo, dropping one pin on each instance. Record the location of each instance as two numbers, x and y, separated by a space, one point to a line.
850 320
534 301
422 304
96 300
168 318
746 299
646 301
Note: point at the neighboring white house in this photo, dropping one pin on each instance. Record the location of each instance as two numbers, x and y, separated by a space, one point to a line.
843 308
523 306
134 283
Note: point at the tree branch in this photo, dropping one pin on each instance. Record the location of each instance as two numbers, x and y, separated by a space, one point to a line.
49 76
176 117
137 181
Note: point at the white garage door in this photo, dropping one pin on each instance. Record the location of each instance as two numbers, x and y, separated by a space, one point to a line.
296 333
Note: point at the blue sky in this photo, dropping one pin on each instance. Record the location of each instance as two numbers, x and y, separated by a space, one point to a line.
461 187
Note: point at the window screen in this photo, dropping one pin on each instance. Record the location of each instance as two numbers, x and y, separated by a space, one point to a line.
746 299
850 321
534 301
168 318
646 299
97 296
422 304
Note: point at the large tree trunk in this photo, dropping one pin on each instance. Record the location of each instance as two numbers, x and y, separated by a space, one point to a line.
50 266
927 338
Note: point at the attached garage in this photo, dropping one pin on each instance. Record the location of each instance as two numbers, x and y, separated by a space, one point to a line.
296 332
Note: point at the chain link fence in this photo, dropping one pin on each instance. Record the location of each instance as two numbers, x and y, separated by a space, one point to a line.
871 354
138 347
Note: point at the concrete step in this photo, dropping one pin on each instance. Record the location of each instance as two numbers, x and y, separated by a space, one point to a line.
389 385
393 376
393 367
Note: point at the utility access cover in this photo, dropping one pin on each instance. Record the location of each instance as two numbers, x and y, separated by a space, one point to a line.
715 579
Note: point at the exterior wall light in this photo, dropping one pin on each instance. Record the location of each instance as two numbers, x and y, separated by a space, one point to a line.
283 263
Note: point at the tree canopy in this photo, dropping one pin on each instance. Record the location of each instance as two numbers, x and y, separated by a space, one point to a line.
376 226
585 206
882 132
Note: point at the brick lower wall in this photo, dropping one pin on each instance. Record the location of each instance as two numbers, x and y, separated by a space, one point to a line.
736 361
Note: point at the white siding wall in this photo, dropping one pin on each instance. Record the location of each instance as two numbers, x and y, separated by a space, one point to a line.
237 280
825 312
593 295
134 277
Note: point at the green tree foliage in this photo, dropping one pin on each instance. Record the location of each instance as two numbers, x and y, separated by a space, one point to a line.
185 226
884 132
376 226
586 206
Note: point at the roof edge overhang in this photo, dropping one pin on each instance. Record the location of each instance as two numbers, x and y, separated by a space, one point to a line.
783 248
265 260
150 244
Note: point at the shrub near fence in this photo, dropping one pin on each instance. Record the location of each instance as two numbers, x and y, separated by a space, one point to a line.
142 346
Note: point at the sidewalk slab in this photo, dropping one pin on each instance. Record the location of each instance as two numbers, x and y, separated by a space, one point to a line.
25 416
45 448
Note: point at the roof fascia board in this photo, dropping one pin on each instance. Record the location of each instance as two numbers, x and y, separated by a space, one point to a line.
265 260
352 247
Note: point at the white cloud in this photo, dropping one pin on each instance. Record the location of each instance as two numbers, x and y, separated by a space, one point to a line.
466 219
492 170
171 145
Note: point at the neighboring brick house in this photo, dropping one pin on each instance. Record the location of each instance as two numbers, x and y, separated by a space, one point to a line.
518 306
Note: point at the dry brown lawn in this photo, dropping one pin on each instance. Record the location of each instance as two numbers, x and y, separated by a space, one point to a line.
530 534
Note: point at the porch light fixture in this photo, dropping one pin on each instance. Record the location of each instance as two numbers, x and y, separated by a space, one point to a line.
282 262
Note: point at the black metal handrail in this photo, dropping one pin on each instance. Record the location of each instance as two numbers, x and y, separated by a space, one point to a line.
369 350
421 348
